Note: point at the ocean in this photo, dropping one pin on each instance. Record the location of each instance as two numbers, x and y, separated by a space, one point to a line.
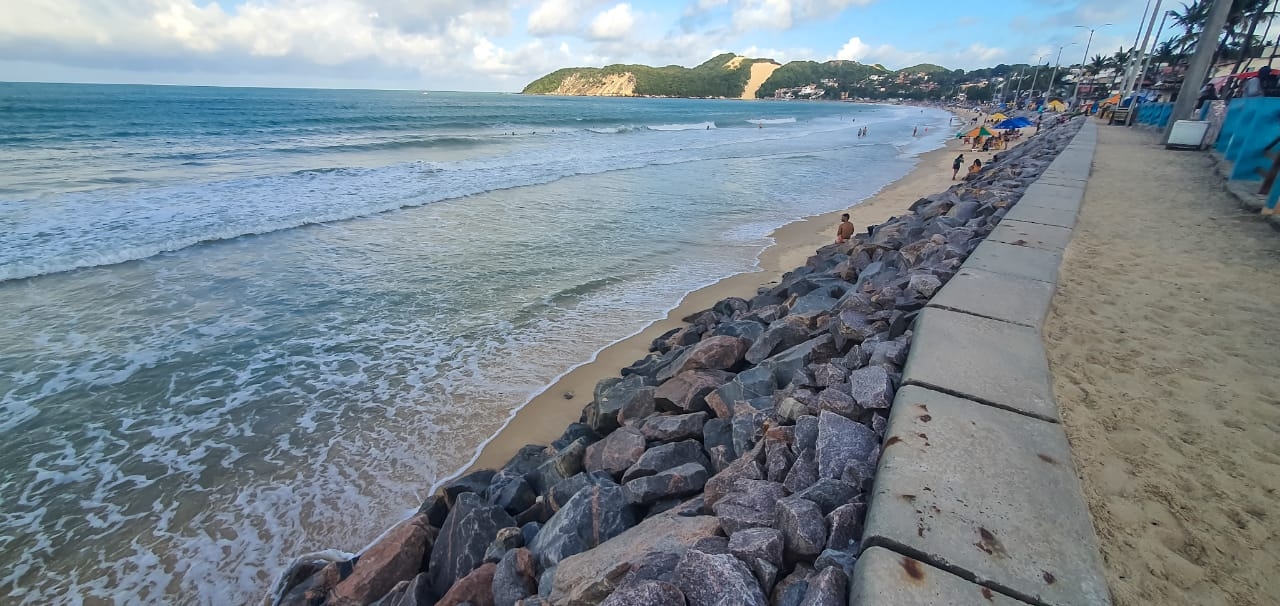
242 324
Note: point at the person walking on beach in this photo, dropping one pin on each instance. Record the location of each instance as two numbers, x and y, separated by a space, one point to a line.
955 166
845 230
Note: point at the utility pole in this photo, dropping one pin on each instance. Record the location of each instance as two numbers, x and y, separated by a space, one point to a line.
1075 96
1140 75
1054 80
1036 74
1199 67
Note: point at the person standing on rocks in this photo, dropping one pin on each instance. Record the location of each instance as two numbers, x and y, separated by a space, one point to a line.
955 166
845 230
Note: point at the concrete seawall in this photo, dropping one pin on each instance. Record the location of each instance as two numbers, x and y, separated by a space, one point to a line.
976 499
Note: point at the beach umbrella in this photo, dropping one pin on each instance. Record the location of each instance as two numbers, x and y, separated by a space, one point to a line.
1009 124
999 117
981 131
1021 121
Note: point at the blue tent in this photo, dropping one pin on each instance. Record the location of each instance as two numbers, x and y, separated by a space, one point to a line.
1014 123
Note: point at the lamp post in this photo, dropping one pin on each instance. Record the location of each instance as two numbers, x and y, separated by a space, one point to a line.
1053 80
1036 74
1075 96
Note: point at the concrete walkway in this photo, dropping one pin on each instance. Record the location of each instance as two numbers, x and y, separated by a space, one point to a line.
1163 345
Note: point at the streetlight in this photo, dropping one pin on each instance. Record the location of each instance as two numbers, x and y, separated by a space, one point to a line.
1036 74
1056 62
1075 96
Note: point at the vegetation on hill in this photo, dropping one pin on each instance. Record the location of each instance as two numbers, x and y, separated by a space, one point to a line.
720 76
801 73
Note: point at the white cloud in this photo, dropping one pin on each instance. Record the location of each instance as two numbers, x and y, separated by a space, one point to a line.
613 24
973 56
555 17
784 14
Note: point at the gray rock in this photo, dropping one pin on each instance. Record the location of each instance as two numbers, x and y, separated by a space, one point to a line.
748 384
674 428
680 481
853 327
889 353
529 530
731 307
745 329
828 374
792 362
515 578
461 544
745 468
716 580
803 472
804 530
687 391
527 459
602 413
750 544
829 494
782 334
814 302
717 432
565 489
646 593
845 524
562 464
923 285
837 399
507 539
573 433
436 510
844 560
859 473
616 452
476 482
827 588
790 408
594 515
778 458
712 545
713 353
748 426
752 504
871 387
666 456
806 432
840 441
791 589
511 492
721 457
638 408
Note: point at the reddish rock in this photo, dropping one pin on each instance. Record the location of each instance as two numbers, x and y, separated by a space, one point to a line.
396 557
475 588
688 390
617 452
715 353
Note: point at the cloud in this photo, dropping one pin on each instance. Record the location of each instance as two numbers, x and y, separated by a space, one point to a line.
973 56
555 17
613 24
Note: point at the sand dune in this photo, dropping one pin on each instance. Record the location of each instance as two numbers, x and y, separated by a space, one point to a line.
1163 347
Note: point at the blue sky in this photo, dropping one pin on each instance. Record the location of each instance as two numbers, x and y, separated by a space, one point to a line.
501 45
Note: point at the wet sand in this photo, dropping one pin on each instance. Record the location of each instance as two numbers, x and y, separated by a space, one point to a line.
547 414
1163 348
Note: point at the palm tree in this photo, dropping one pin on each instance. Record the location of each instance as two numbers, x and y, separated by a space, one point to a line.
1251 12
1191 19
1098 64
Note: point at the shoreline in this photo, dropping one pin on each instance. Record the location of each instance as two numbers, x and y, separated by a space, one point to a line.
544 416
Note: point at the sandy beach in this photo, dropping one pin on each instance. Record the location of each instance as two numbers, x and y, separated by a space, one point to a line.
547 414
1162 345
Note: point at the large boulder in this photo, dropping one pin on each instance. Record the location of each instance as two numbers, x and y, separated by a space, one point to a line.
476 588
646 593
803 472
588 578
511 492
714 353
566 489
611 398
827 588
751 544
680 481
845 526
871 387
804 530
562 463
784 333
687 391
594 515
671 428
829 494
751 504
746 329
749 384
841 440
617 452
515 578
666 456
745 468
476 481
466 534
710 580
311 581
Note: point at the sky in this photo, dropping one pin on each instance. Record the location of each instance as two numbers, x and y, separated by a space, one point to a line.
502 45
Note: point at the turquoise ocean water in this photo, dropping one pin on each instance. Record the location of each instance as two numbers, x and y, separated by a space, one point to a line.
241 324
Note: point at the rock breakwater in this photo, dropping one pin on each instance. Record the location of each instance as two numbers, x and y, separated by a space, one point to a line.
731 465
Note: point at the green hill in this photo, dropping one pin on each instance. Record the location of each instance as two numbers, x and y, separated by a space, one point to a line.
801 73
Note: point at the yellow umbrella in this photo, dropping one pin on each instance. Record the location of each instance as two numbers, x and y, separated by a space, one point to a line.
1056 105
999 117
